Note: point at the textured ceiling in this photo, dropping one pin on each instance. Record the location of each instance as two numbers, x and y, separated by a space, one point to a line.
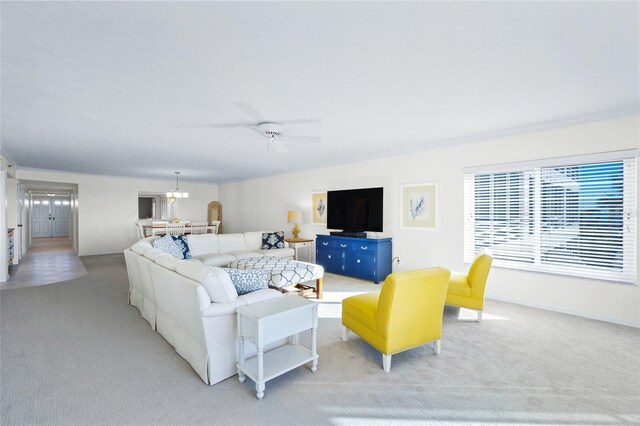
132 88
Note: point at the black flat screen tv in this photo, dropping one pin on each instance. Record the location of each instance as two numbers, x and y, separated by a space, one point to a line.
355 210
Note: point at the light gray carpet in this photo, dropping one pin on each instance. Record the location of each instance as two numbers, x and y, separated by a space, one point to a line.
75 353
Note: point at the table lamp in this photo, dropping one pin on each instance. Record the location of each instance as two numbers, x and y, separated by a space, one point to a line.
295 217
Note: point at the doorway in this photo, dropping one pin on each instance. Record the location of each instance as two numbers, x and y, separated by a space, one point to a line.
50 217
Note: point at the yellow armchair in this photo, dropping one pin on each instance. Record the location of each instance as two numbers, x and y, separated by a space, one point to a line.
405 313
467 290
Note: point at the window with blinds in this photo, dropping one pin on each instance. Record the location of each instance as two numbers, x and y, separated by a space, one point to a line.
576 218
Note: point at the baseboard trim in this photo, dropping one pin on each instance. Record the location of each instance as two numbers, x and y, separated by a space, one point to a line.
566 311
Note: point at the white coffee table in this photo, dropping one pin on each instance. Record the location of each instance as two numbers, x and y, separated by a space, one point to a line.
267 322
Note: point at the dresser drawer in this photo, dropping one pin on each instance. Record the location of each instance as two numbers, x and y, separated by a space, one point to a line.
325 243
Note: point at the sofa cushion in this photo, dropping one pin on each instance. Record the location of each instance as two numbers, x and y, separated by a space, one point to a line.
231 242
248 280
141 246
285 252
153 254
237 255
216 281
216 259
253 240
272 240
167 261
202 244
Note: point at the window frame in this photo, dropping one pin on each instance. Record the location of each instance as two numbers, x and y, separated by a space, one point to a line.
537 206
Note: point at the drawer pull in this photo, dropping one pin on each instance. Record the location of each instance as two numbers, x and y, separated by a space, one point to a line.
358 261
343 245
324 243
328 256
364 247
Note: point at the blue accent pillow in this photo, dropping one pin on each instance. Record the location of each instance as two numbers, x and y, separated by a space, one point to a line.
181 242
272 240
176 246
247 280
167 245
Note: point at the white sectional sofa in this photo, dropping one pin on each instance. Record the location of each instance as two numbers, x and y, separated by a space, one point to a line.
192 304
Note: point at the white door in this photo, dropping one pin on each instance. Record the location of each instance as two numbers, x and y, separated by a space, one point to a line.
60 218
41 226
50 217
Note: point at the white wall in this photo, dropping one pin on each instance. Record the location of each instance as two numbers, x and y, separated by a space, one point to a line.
263 203
107 206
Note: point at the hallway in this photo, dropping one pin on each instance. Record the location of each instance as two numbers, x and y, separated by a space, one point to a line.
48 261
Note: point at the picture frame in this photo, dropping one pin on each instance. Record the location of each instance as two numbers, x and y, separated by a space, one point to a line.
319 208
419 206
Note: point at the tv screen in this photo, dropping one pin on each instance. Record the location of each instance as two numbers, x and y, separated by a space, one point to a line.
355 210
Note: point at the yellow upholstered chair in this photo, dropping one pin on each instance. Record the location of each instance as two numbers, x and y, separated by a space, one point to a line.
467 290
405 313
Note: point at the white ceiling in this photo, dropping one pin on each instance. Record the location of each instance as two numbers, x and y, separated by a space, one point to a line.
130 88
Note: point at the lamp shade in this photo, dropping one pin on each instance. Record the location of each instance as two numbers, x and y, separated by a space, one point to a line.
294 216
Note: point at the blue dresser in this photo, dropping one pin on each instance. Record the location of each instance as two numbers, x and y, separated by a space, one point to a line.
366 258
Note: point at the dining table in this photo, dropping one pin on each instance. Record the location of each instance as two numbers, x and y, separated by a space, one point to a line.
151 230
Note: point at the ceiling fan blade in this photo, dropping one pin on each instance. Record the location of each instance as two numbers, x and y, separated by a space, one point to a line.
251 112
278 145
257 130
230 125
300 121
304 139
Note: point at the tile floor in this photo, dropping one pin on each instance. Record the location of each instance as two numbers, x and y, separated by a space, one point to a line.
48 261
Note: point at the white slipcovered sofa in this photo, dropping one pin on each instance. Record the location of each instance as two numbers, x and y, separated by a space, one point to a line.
193 304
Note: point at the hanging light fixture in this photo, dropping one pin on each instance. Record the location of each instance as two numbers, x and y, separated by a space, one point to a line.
176 193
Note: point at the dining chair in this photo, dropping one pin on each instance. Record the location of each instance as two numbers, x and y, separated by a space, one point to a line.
140 230
174 229
215 223
198 227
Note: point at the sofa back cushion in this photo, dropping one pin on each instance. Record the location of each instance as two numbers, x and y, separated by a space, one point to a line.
253 240
231 242
153 253
216 281
202 244
141 246
167 261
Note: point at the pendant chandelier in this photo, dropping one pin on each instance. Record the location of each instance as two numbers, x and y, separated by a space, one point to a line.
176 193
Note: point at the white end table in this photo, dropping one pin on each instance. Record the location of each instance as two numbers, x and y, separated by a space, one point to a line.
267 322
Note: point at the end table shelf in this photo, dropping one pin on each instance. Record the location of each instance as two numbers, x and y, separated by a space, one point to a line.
278 361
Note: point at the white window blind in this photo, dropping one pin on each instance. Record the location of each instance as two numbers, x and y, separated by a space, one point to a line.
575 219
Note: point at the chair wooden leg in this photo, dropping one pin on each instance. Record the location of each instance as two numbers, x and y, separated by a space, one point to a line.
479 316
345 333
437 346
319 288
386 362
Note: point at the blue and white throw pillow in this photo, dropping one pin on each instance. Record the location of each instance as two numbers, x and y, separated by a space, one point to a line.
272 240
247 280
181 242
167 245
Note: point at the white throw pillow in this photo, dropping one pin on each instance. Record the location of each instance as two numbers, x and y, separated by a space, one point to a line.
216 281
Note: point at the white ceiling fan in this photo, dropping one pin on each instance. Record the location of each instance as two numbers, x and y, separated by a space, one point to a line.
272 131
